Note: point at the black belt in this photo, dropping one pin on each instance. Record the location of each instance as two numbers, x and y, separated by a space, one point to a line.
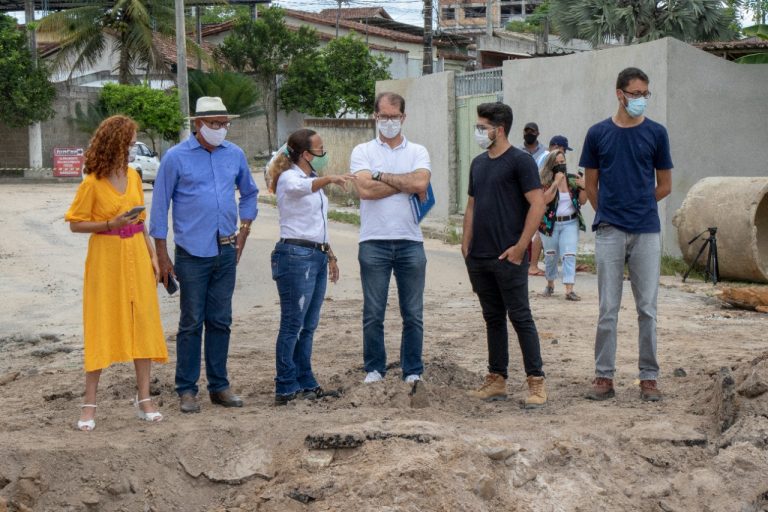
567 217
228 240
306 243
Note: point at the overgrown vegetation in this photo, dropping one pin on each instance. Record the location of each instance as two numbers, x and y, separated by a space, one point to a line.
27 94
345 217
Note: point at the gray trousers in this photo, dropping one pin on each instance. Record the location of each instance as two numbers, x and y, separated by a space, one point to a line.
642 253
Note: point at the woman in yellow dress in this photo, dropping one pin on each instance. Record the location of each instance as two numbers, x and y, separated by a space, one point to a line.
121 314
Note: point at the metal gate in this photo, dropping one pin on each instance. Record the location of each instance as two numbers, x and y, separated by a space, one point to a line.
472 89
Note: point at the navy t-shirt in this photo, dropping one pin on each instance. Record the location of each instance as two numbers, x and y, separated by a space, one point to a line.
627 159
498 186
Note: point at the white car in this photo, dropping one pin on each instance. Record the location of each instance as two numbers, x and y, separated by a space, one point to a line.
146 163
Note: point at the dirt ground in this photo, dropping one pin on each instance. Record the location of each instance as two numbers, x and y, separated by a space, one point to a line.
376 448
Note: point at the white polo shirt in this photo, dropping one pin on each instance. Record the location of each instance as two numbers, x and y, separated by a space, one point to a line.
389 218
303 213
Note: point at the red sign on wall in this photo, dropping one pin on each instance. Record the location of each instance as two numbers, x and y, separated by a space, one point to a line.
68 162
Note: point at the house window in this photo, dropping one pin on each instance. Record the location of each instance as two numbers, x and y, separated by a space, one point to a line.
449 13
474 12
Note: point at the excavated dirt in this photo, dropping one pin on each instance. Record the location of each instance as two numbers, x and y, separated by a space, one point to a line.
379 447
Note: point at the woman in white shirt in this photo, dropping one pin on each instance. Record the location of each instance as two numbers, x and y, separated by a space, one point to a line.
302 260
559 228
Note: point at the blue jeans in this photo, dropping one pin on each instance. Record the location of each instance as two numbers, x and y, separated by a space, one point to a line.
502 288
642 254
378 260
301 274
562 245
206 287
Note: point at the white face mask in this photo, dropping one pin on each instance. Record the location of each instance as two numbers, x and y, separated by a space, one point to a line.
389 129
213 137
132 152
482 139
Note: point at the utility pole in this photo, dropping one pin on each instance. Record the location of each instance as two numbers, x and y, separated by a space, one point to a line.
426 68
489 17
35 130
181 67
338 15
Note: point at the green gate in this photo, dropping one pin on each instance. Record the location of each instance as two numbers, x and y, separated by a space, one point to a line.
472 89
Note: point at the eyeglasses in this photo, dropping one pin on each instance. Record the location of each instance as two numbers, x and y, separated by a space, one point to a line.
482 128
312 152
389 118
636 95
217 124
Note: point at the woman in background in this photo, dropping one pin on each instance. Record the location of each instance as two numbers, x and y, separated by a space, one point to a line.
302 260
559 228
121 315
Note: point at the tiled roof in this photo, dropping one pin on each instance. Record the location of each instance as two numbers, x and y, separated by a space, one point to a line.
752 43
357 13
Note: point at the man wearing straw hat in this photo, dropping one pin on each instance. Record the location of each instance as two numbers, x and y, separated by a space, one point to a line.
199 176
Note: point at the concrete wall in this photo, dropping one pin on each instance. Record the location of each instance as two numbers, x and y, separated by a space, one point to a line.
340 136
714 110
430 104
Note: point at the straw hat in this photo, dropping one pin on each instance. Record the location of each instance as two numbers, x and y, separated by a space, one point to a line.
210 106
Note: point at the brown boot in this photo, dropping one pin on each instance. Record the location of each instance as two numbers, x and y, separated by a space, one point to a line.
649 392
602 389
494 388
537 392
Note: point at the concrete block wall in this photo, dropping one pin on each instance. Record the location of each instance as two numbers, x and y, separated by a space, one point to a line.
714 110
340 136
430 107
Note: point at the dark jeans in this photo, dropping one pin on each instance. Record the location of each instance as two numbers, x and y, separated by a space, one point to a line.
301 274
206 288
379 259
502 288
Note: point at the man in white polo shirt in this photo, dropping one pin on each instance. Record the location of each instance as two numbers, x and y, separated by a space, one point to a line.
389 169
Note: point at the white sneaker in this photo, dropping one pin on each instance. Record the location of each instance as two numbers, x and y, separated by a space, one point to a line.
372 377
412 378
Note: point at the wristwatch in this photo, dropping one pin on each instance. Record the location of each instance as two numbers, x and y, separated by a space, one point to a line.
376 175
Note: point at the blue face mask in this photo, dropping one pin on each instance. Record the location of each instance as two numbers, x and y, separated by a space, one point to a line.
636 106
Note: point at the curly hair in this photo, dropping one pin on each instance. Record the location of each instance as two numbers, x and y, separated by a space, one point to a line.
298 142
108 149
546 174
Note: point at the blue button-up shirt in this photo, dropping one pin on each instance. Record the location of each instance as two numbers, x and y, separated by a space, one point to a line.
202 185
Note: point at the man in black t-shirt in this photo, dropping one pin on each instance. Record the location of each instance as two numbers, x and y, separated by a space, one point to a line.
503 211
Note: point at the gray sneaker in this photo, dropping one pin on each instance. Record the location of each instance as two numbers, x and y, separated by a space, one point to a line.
548 291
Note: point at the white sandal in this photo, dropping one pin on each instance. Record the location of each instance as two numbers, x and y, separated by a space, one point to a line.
146 416
87 425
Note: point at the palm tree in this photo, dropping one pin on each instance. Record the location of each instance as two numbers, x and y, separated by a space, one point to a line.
83 34
638 21
238 92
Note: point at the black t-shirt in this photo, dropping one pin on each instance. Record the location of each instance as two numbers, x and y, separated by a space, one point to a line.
498 186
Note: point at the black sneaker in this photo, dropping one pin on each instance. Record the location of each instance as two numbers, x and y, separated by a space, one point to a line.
284 399
318 392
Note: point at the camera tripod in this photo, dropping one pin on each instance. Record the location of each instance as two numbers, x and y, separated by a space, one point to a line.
711 269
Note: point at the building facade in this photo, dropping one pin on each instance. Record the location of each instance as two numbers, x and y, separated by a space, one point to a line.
472 15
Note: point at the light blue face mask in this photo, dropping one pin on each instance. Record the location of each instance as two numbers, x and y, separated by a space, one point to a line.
636 106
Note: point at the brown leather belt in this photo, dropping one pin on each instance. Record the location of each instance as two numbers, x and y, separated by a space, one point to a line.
306 243
567 217
228 240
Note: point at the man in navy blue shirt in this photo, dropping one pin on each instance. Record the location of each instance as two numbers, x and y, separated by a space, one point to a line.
199 175
628 167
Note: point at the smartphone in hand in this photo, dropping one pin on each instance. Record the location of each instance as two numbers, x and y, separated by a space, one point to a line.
172 286
134 212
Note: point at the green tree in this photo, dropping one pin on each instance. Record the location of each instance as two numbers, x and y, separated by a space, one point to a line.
339 79
83 34
264 47
157 112
238 92
761 32
27 94
638 21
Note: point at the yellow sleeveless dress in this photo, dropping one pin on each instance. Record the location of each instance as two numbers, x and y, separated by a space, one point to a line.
121 313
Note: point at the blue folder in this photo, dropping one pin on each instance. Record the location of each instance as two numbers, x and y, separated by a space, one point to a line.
421 208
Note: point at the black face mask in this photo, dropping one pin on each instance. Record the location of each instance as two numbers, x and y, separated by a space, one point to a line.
559 168
530 138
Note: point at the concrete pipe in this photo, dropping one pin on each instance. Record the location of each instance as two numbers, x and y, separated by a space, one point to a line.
738 208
